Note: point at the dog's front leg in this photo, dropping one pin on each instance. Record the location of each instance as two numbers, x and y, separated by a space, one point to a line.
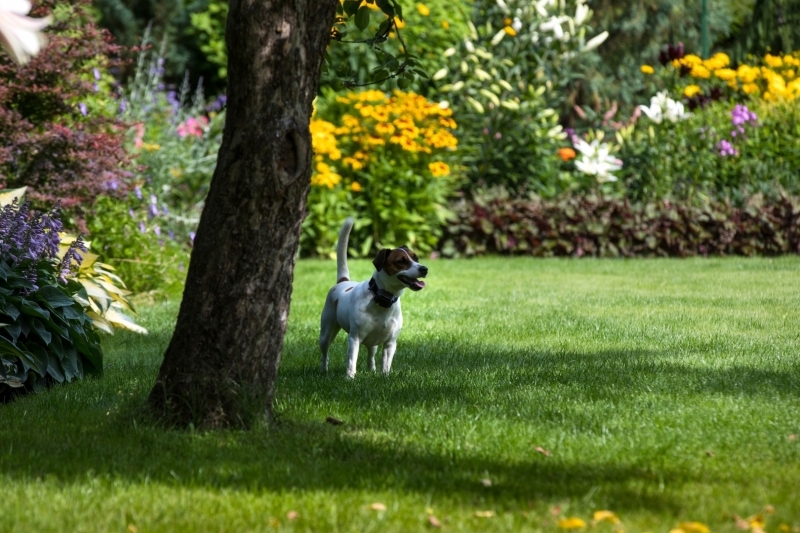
371 350
388 354
353 344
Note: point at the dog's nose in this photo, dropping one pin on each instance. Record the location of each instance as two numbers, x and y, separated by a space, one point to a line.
424 270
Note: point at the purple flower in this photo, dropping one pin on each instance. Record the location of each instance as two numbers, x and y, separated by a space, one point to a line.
191 235
157 231
141 227
138 192
180 266
164 209
742 115
96 74
171 234
153 199
131 213
96 87
152 211
726 148
83 109
122 106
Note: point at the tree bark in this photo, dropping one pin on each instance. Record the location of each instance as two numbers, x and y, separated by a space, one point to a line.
220 366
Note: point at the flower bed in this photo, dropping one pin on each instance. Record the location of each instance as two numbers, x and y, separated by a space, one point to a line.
600 226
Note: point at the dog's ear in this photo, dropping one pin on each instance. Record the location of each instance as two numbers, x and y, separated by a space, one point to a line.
380 259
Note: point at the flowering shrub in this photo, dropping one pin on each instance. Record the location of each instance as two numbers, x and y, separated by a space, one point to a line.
383 158
45 334
700 81
148 230
603 226
496 84
726 151
55 136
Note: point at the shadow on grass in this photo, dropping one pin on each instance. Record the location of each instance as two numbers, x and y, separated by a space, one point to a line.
92 428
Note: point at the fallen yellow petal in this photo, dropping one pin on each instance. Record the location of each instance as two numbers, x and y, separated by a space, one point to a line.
484 514
756 521
571 523
694 527
378 506
606 516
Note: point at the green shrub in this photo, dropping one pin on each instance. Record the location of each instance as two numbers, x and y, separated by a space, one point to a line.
678 160
381 158
504 81
45 333
608 226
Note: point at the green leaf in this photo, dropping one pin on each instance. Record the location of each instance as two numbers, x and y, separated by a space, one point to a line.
54 368
386 7
362 18
11 310
71 365
33 309
351 6
39 356
54 297
41 330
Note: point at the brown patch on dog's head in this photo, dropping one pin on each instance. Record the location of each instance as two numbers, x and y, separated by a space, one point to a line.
394 261
342 279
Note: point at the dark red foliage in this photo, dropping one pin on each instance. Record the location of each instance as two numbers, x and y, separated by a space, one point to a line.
46 142
611 227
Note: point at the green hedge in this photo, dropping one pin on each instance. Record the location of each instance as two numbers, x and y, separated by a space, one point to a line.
589 225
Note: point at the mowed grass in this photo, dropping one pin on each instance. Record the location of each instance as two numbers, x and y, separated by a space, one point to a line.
663 390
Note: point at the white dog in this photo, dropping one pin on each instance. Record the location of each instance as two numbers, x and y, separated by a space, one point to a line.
369 311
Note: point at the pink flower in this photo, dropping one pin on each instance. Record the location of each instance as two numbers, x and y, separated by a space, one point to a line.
192 126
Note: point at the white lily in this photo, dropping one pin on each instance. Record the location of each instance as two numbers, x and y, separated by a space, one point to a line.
21 35
517 24
663 107
596 160
581 14
554 25
595 41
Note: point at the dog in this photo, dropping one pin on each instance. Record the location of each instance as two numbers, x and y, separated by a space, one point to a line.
368 311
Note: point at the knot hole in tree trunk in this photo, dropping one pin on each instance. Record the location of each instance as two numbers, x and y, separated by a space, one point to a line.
291 157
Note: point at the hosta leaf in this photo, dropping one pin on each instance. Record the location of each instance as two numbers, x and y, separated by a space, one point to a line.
33 309
100 323
41 330
54 297
54 368
124 321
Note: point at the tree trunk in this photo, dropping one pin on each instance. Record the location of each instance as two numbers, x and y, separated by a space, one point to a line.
220 367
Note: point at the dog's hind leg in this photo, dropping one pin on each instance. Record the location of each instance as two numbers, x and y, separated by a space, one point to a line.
353 344
329 327
371 351
388 354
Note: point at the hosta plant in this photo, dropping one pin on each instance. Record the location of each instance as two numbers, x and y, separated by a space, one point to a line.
106 300
45 335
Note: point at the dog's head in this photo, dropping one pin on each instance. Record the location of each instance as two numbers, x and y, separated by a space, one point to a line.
403 265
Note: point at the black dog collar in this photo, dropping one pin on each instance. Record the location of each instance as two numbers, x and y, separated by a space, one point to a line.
383 298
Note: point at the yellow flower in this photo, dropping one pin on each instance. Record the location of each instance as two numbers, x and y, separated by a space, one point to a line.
691 59
423 10
725 74
606 516
510 31
773 61
694 527
719 61
699 71
438 169
353 163
356 186
151 147
691 90
399 23
647 69
373 5
445 24
748 74
325 176
571 523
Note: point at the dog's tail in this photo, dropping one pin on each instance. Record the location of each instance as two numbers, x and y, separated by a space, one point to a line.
342 273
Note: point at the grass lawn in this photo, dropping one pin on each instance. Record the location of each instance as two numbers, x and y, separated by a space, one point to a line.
663 390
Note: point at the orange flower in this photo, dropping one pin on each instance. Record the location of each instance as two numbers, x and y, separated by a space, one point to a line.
566 154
